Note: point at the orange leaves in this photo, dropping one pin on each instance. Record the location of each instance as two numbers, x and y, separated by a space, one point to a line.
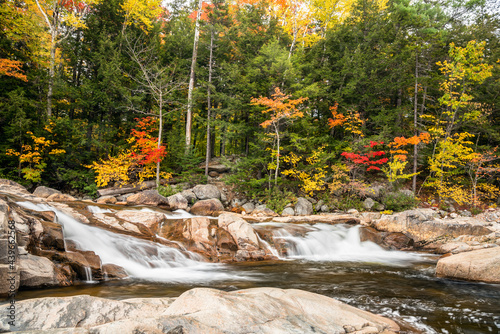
351 122
12 68
398 142
280 106
206 9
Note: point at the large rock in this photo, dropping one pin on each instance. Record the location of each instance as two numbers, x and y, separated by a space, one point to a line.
146 221
106 200
148 197
38 272
479 265
200 310
422 226
271 310
206 191
303 207
177 201
52 236
198 230
61 198
45 192
241 231
113 271
208 207
189 196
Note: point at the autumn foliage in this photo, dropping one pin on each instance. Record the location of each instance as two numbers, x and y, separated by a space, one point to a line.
135 164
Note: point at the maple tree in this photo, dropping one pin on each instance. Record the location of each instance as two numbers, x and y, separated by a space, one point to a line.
137 163
12 68
281 109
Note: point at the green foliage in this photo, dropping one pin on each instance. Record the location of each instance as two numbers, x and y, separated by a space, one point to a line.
168 190
399 201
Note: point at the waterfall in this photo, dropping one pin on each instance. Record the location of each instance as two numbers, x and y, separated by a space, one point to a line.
140 258
88 275
336 243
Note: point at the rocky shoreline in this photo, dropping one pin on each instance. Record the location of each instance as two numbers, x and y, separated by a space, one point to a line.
43 258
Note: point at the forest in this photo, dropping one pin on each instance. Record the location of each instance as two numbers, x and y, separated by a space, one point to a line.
309 97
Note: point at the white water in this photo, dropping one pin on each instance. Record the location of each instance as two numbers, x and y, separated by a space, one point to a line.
98 209
338 243
140 258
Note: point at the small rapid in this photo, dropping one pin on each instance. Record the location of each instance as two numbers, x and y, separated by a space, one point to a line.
336 243
140 258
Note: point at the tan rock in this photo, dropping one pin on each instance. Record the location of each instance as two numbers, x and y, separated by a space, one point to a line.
37 272
60 198
241 231
209 207
148 219
113 271
478 265
45 192
106 200
148 197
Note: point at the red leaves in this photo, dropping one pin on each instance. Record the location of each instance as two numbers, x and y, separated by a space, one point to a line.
145 148
366 158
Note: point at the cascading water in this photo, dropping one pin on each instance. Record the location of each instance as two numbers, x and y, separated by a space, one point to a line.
140 258
335 243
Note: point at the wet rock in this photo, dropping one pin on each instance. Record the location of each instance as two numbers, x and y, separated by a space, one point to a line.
113 271
209 207
288 212
397 240
147 219
177 201
248 207
81 262
198 230
241 231
303 207
454 248
52 236
60 198
370 234
479 265
148 197
45 192
206 191
39 272
106 200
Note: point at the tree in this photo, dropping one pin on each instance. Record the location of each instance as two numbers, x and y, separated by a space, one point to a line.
62 18
191 77
281 109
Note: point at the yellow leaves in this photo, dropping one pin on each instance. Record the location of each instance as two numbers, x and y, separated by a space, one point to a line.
141 13
33 155
395 169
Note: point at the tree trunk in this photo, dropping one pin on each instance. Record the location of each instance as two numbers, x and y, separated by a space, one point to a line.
415 118
277 155
52 65
191 77
209 104
160 130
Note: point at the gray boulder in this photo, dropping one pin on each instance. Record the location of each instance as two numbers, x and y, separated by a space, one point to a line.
45 192
369 203
248 207
177 201
288 212
37 272
148 197
206 191
207 207
189 196
303 207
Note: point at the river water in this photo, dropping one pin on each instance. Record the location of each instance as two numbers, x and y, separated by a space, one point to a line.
326 259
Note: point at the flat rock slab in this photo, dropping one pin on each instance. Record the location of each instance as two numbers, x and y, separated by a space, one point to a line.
479 265
200 310
312 219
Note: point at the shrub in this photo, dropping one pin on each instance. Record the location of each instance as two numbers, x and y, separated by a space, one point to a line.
399 201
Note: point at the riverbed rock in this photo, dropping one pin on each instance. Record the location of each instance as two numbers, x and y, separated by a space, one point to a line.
60 198
45 192
200 310
303 207
107 200
113 271
147 221
206 191
177 201
271 310
39 272
198 230
422 225
208 207
52 236
248 207
189 196
479 265
148 197
241 231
